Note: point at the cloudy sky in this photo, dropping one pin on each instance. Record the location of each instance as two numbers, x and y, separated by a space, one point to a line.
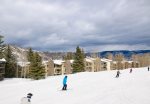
61 25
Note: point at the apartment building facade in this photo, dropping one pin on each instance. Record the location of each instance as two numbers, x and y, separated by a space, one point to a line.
61 67
92 64
2 68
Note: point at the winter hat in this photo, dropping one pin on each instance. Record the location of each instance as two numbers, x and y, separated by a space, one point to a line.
29 95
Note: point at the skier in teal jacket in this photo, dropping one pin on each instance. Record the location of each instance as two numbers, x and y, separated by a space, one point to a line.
64 83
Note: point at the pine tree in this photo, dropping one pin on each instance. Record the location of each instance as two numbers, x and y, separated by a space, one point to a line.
10 68
36 71
30 55
78 64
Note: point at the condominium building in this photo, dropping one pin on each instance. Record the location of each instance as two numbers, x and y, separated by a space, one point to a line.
2 68
92 64
106 64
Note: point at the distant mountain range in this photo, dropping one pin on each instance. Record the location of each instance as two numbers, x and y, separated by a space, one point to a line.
21 53
126 53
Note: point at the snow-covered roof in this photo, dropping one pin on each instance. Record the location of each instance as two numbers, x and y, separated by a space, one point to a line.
106 60
88 60
126 61
58 62
71 61
22 64
130 61
44 62
114 62
2 60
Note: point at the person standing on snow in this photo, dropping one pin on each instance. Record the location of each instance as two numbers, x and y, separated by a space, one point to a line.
64 83
148 68
118 73
27 100
131 70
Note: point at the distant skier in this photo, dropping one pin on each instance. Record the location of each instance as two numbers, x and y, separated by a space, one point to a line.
64 83
27 100
131 70
148 68
118 73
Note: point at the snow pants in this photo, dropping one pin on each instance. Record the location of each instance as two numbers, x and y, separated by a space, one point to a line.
64 87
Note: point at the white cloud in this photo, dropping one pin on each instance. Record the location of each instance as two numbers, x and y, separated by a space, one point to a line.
64 24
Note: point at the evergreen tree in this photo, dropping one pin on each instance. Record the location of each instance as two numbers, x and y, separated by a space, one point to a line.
78 64
1 47
10 68
30 55
36 71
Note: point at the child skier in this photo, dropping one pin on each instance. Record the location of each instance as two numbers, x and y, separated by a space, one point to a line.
64 83
118 72
27 100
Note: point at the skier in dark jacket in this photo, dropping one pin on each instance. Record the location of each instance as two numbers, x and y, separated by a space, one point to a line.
131 70
148 68
118 73
64 83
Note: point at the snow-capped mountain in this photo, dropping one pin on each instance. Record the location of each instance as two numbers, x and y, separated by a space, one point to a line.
21 53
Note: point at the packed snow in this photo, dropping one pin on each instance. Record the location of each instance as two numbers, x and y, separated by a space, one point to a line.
83 88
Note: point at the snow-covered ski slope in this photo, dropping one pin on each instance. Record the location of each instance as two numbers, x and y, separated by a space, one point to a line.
83 88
